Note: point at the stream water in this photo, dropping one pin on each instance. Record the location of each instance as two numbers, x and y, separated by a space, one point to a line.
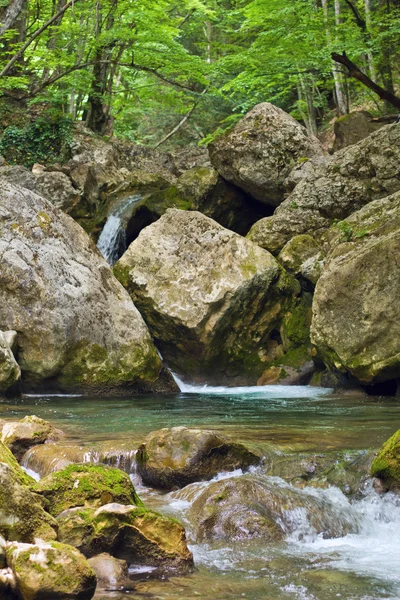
297 422
111 242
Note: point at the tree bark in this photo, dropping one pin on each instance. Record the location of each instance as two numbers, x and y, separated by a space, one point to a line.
368 22
11 15
337 77
356 73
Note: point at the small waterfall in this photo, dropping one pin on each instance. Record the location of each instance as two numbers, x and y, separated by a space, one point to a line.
112 241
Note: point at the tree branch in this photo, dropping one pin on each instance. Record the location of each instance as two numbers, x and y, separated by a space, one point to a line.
354 72
359 19
36 34
182 122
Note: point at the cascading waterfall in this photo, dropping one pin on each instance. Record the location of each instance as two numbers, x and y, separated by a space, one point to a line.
112 241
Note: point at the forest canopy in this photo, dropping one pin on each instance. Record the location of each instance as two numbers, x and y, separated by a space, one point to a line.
143 70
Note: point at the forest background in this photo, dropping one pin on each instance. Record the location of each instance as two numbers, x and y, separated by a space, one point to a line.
176 73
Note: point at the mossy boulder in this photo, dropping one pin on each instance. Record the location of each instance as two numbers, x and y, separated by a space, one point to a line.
19 436
333 189
77 327
215 303
259 153
50 570
10 372
86 485
296 252
131 533
171 458
22 516
350 129
386 464
356 325
251 506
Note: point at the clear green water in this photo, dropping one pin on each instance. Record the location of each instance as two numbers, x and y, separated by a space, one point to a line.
363 566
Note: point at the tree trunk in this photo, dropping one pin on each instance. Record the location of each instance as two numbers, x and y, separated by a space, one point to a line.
384 62
340 94
10 15
368 21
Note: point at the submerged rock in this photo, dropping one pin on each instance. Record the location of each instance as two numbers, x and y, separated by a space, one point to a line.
171 458
50 571
77 327
258 154
22 516
131 533
356 325
334 189
19 436
86 485
220 308
10 373
247 507
386 465
112 573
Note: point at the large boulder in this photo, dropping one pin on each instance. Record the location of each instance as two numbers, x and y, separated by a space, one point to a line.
10 372
356 324
248 507
22 516
386 464
350 129
86 485
171 458
333 189
19 436
77 327
55 571
131 533
259 153
57 188
220 308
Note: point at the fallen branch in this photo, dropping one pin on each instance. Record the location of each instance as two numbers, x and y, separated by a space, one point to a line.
182 122
354 72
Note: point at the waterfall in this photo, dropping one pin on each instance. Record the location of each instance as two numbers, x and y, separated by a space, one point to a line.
112 241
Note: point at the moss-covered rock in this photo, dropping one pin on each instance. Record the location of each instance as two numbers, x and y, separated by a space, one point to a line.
19 436
57 571
356 325
296 252
22 516
86 485
386 464
171 458
10 373
215 303
131 533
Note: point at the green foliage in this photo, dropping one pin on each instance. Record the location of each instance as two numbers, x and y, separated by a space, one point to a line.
42 141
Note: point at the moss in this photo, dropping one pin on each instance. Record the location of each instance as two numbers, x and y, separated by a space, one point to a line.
386 465
9 459
86 485
44 220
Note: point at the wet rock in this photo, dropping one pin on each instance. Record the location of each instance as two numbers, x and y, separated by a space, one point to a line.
57 188
130 533
171 458
250 506
386 464
111 572
22 517
10 373
334 189
260 151
353 128
2 552
86 485
355 325
8 585
219 307
19 436
77 327
43 571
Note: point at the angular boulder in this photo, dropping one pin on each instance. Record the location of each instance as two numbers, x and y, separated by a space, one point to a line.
50 570
58 189
350 129
77 327
130 533
259 153
171 458
386 464
356 324
19 436
220 308
10 373
334 189
22 516
86 485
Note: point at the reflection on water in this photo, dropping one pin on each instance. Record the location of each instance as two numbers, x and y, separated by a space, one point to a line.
359 566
